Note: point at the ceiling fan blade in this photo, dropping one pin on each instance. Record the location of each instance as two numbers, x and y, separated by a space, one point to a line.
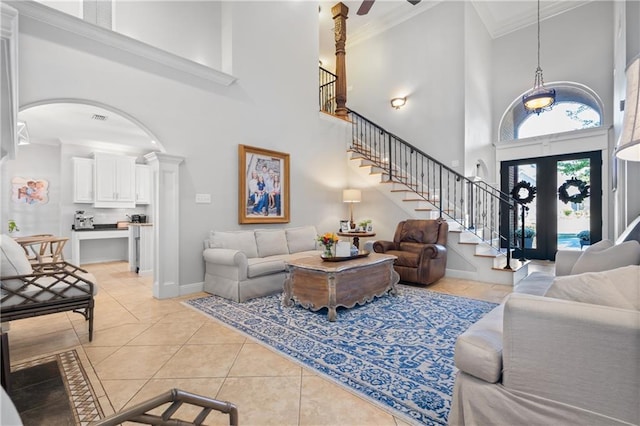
365 6
414 2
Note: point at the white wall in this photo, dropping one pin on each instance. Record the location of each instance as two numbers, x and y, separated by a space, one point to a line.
575 46
272 105
33 162
478 149
191 29
422 58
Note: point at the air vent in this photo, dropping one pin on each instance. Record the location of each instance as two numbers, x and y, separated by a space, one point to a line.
99 117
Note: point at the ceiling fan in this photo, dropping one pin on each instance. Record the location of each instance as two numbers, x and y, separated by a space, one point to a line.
366 5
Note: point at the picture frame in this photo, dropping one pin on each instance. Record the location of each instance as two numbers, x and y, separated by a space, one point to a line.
344 226
263 185
29 191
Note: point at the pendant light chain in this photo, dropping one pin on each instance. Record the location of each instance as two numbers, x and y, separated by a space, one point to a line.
539 98
538 33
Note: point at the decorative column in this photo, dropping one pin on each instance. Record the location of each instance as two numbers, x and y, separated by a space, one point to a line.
339 13
165 202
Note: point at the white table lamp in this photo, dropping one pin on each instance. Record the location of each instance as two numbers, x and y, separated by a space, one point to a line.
351 196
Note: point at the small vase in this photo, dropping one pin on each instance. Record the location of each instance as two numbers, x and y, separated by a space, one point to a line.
327 251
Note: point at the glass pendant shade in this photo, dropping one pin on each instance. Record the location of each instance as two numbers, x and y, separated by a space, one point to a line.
629 146
539 98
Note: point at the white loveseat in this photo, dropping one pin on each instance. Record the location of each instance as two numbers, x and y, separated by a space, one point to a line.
559 350
241 265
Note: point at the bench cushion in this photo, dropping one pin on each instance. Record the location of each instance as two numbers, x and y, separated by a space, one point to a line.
40 295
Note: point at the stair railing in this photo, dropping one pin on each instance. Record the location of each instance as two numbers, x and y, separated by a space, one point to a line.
475 205
328 91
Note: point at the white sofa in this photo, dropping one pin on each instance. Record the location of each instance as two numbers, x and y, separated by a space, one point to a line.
559 350
241 265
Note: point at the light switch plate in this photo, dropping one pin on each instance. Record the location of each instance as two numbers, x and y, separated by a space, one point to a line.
203 198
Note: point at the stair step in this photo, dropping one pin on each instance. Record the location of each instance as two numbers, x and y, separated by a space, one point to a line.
516 265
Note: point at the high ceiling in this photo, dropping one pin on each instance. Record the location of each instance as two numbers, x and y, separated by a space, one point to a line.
499 17
73 123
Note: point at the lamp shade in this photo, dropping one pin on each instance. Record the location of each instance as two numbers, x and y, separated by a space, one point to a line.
351 195
629 147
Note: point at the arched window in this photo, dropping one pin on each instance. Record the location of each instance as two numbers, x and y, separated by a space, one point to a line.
577 107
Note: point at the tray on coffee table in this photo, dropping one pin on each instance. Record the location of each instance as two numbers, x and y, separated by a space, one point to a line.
362 253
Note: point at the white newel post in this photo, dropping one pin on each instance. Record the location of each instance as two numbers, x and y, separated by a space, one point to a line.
165 204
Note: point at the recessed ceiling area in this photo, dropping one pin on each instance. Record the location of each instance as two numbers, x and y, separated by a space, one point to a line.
85 125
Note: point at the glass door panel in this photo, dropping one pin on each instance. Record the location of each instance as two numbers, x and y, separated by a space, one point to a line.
574 218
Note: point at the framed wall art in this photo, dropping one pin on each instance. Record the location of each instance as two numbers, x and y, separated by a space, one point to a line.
29 191
263 185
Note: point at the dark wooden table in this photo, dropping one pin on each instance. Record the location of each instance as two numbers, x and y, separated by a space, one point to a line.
356 236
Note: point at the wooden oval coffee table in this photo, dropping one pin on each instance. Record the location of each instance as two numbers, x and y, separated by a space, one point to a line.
316 284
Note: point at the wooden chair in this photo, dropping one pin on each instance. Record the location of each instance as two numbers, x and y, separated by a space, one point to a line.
43 248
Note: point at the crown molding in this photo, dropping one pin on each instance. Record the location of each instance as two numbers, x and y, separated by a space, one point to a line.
45 16
389 20
529 16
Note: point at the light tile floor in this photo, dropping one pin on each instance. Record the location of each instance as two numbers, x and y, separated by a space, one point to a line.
143 347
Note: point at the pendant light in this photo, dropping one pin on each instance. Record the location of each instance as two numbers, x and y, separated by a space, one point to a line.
539 98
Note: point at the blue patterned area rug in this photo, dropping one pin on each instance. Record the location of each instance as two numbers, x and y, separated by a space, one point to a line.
396 351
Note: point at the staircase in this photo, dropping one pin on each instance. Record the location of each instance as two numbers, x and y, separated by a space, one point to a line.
427 189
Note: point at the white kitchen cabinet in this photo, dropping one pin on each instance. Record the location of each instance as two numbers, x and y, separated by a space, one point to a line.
82 180
115 181
143 184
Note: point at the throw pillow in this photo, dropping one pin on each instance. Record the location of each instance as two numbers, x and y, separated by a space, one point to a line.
601 257
14 262
245 241
301 239
271 242
619 288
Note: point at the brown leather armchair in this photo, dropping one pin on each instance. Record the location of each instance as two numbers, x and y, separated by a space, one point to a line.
420 246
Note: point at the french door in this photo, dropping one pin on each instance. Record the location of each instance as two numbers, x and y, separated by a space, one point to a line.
562 215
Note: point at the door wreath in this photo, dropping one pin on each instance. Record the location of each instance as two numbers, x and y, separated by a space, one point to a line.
523 192
573 191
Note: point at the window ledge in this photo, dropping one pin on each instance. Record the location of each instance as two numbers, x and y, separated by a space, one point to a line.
553 137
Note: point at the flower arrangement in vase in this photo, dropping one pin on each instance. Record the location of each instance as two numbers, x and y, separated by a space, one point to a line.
328 240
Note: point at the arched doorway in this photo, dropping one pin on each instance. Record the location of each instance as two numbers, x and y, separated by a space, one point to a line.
61 130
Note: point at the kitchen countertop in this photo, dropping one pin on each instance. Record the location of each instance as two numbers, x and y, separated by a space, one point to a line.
100 227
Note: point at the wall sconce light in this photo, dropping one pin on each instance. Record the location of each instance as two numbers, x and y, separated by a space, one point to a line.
629 145
351 196
398 102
